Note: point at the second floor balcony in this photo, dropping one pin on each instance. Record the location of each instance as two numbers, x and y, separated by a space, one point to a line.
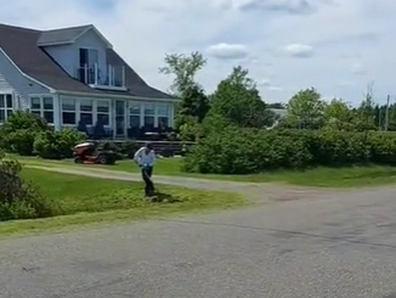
112 77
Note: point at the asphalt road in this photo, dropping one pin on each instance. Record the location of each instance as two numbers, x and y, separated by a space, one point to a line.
328 245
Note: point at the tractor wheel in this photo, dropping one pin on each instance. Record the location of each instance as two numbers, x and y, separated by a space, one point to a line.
78 160
103 159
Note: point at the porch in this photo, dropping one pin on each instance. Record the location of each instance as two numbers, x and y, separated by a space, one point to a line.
116 118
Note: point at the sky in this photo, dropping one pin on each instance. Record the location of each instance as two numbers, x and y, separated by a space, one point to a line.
337 46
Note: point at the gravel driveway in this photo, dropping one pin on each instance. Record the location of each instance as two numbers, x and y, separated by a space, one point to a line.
310 244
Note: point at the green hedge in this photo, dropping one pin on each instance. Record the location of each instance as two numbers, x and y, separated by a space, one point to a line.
57 145
27 134
246 151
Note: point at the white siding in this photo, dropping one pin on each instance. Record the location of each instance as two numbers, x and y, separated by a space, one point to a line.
12 81
68 55
4 85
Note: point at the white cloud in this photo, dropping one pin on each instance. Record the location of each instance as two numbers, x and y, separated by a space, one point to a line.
265 83
357 68
299 50
228 51
345 83
340 34
275 88
268 85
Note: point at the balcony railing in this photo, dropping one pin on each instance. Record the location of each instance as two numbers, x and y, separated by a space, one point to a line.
111 78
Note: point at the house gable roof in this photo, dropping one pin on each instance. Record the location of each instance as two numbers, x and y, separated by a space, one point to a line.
20 44
67 35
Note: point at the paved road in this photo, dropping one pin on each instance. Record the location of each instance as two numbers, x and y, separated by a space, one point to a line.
334 245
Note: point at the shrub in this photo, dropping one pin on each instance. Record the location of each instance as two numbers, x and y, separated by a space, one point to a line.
382 148
129 148
46 145
245 151
19 199
19 131
20 141
24 120
68 138
230 152
57 145
112 146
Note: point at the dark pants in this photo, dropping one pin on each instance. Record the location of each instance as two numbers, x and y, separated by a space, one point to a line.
146 175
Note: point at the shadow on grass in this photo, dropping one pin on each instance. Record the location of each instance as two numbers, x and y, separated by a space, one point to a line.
160 197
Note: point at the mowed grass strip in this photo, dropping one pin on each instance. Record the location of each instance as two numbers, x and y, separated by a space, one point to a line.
317 177
82 200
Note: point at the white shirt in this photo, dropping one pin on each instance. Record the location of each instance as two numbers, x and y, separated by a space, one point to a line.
142 158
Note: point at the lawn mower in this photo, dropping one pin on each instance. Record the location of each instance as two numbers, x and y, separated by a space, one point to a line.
89 152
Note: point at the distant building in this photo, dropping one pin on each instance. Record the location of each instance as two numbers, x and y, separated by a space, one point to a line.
281 112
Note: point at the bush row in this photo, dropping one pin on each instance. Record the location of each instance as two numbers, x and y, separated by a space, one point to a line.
247 151
27 134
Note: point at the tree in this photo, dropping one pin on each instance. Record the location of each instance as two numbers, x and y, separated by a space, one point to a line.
338 115
194 105
237 100
365 114
183 68
191 112
380 116
240 76
306 110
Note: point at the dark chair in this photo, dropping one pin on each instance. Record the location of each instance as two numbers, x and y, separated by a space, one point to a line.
99 131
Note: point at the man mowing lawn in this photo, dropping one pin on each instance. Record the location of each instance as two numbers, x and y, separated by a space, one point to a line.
145 158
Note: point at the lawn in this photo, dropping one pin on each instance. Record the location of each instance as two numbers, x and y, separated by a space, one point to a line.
319 177
83 200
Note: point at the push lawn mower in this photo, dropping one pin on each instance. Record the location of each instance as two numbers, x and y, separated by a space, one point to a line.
89 152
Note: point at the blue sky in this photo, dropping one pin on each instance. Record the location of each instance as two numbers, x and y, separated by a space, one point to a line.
337 46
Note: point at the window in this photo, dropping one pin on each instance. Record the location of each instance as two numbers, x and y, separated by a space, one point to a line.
149 112
68 111
163 113
149 109
103 112
88 59
134 114
6 107
43 106
86 111
48 109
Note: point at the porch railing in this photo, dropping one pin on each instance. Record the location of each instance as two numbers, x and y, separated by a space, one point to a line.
112 76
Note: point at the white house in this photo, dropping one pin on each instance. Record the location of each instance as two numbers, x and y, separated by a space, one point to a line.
72 74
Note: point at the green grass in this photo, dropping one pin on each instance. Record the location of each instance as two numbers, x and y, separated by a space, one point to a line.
319 177
83 200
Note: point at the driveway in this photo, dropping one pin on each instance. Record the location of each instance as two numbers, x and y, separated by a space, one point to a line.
321 245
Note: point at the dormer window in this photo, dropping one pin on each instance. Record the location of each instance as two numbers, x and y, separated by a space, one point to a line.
89 60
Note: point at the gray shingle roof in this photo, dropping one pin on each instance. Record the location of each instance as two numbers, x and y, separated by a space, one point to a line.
63 35
20 44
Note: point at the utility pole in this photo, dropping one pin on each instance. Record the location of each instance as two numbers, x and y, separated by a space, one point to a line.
387 113
379 119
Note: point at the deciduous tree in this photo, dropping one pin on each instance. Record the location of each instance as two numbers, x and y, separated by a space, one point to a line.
338 115
184 69
237 100
306 110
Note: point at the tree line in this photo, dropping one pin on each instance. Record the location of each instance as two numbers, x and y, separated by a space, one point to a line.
308 110
237 101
